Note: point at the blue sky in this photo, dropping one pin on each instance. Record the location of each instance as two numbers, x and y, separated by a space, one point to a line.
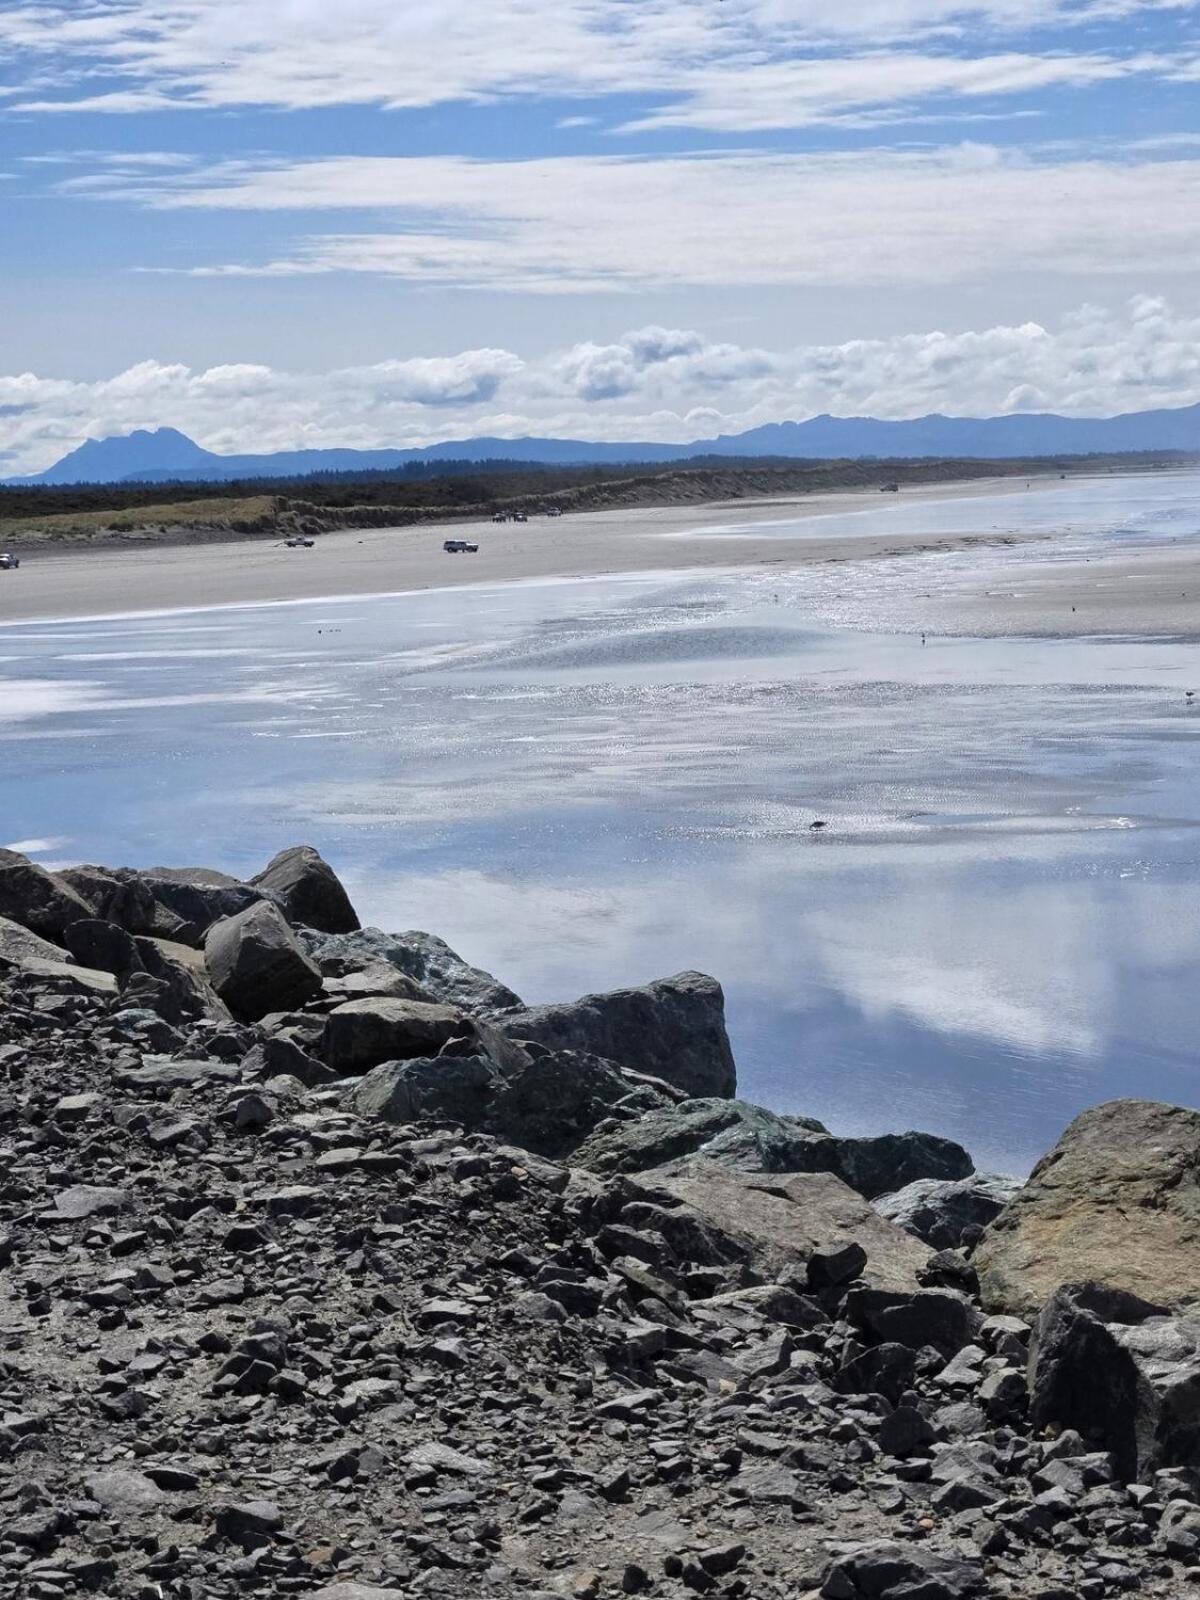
288 222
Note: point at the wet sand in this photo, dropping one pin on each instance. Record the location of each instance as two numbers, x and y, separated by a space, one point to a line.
92 582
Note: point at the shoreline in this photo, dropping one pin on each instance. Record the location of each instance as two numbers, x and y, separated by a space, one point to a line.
362 563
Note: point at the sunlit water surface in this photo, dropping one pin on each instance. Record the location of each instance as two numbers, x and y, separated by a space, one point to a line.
587 784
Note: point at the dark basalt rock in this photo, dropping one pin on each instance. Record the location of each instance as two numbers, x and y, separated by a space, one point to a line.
1123 1373
673 1029
363 1033
256 965
39 900
307 890
897 1572
428 961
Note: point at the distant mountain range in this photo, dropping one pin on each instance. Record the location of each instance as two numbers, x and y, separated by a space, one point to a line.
165 455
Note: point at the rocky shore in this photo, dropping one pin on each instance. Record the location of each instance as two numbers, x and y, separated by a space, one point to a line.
329 1268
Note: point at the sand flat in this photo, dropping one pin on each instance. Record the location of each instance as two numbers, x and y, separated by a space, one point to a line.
138 578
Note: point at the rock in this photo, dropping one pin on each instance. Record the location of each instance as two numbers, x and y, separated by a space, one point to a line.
249 1523
354 1591
936 1317
193 898
1115 1202
748 1138
441 1088
18 944
88 1200
1121 1372
70 975
550 1100
305 888
426 960
733 1132
256 965
896 1572
38 900
890 1161
940 1211
784 1219
673 1029
362 1033
122 1492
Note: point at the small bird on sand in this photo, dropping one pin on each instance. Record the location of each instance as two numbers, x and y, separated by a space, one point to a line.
815 827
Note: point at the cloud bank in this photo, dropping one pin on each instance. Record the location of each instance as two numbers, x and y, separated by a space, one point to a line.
654 383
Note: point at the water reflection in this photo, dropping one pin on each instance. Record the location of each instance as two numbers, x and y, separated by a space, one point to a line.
583 784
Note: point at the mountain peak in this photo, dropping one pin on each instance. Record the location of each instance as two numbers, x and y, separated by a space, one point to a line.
127 455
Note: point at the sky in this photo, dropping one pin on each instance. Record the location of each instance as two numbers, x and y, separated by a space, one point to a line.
291 223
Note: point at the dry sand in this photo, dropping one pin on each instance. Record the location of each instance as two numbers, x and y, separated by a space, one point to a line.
1149 594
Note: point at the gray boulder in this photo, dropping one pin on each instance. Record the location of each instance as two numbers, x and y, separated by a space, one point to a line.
307 890
738 1135
897 1571
255 964
197 896
117 894
1121 1372
888 1161
363 1033
39 900
1115 1202
555 1098
784 1220
673 1029
428 961
427 1089
103 945
18 944
748 1138
544 1101
948 1213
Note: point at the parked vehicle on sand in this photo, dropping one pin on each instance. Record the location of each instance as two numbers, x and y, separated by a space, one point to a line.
299 541
457 547
9 562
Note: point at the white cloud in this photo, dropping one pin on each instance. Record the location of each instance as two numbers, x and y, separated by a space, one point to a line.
123 56
654 383
595 224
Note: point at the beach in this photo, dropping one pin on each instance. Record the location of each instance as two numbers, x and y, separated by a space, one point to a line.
97 582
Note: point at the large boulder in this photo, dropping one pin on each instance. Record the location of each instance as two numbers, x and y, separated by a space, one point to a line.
363 1033
427 1089
882 1162
545 1101
785 1219
733 1132
1122 1373
903 1572
18 944
673 1029
117 894
948 1214
39 900
255 964
427 960
1115 1202
748 1138
197 896
178 903
307 890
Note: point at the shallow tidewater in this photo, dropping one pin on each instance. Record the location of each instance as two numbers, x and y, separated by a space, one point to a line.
588 783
